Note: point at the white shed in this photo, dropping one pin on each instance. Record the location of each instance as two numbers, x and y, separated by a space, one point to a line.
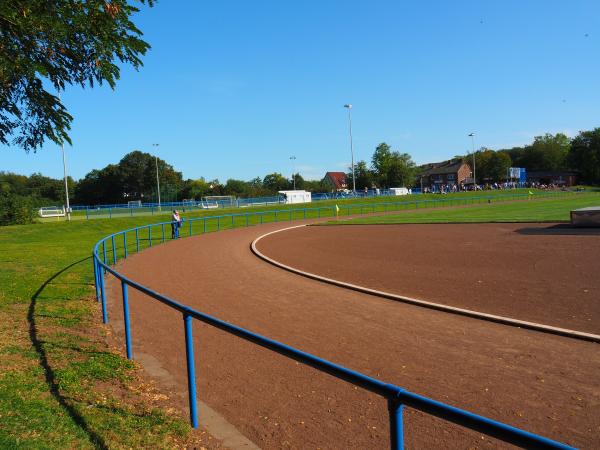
399 191
296 196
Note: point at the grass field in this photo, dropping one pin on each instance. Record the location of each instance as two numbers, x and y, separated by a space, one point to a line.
547 210
61 386
196 212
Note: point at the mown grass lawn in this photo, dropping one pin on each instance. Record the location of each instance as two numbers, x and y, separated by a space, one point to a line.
533 210
61 386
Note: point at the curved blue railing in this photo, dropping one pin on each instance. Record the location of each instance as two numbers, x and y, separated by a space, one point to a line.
396 396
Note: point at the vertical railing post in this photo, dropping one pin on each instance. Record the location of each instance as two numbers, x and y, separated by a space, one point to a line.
126 320
191 371
190 222
150 235
104 252
395 409
87 216
96 283
125 243
137 240
218 223
246 219
114 249
204 225
103 298
232 221
162 227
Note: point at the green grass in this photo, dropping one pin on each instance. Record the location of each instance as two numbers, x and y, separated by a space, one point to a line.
60 386
534 210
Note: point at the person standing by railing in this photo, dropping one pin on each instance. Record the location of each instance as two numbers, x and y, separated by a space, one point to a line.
175 224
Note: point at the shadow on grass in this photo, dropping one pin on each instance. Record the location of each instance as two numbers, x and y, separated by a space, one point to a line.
560 229
48 372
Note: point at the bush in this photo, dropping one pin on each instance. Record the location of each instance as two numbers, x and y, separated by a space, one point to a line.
15 210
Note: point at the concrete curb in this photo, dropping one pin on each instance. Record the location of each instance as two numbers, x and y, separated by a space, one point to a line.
413 301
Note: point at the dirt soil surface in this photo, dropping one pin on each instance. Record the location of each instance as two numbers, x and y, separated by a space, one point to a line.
545 274
543 383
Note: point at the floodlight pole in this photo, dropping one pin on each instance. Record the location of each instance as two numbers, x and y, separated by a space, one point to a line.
293 159
64 158
157 182
349 106
472 135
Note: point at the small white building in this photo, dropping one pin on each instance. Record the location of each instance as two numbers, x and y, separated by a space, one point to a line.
296 197
400 191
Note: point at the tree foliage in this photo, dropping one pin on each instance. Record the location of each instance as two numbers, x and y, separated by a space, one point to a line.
584 155
392 168
15 209
55 43
133 178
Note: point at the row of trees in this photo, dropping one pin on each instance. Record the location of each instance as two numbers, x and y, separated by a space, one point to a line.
550 152
134 177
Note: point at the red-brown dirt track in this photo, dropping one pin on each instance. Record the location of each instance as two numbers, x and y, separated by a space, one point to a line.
543 383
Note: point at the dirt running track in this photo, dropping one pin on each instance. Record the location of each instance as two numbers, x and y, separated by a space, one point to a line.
543 383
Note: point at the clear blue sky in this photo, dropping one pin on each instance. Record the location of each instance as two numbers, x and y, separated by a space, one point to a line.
232 89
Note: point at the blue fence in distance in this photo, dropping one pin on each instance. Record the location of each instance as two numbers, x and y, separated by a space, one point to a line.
107 249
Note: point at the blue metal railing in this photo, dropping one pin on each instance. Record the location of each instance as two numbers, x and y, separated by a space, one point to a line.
396 396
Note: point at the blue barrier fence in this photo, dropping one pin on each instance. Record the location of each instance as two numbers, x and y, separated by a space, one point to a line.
397 397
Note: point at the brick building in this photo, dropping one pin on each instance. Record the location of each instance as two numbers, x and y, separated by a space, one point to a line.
454 172
337 181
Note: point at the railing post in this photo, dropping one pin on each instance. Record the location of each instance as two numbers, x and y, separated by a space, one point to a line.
291 215
204 225
104 252
218 223
96 283
114 249
137 240
110 213
125 243
162 227
246 219
150 235
276 216
126 320
191 371
87 214
103 298
232 221
190 222
396 424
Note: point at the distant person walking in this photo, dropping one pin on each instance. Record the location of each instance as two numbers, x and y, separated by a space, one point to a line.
175 224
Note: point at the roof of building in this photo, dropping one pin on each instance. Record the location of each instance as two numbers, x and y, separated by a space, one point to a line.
450 166
338 179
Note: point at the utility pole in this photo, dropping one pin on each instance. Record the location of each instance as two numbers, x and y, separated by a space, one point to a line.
157 181
349 106
293 159
472 135
64 158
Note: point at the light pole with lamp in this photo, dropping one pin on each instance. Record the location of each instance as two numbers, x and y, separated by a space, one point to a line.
349 106
472 136
64 158
293 159
157 181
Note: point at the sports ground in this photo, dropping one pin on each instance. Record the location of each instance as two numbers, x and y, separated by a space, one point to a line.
64 381
537 381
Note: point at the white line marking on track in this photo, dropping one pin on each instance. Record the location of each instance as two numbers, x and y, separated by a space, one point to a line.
423 303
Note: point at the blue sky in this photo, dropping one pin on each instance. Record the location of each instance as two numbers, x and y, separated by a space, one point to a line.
232 89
